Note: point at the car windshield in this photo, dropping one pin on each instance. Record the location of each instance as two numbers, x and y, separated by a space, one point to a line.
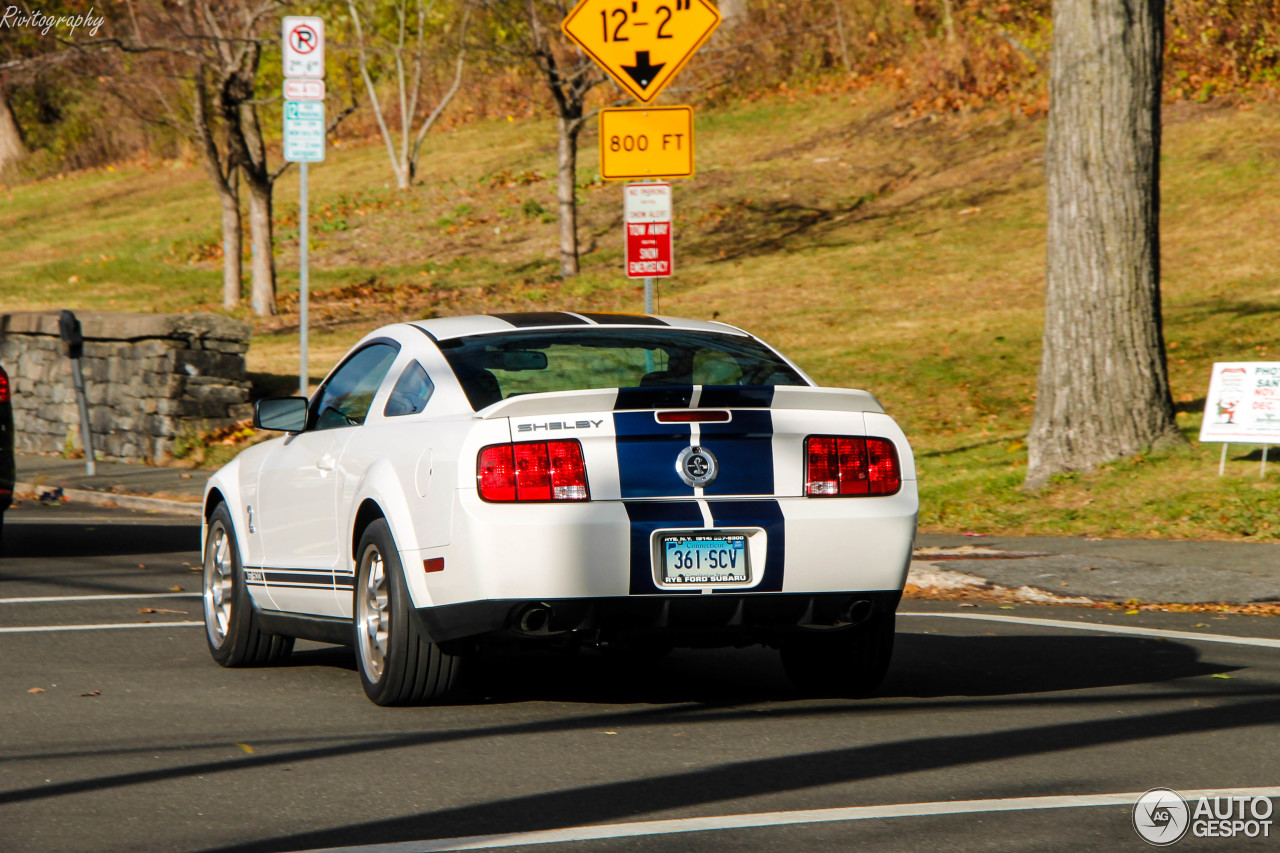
496 366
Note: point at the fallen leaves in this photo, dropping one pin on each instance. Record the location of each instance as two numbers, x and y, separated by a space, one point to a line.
90 694
160 610
248 750
36 690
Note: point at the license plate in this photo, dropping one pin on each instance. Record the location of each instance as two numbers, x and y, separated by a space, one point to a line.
705 559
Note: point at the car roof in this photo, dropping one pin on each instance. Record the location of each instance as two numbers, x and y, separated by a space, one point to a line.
444 328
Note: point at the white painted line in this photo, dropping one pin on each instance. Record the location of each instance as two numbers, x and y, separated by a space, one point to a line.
1134 630
46 599
44 629
765 819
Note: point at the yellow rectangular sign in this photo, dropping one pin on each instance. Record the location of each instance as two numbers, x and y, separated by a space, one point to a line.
646 142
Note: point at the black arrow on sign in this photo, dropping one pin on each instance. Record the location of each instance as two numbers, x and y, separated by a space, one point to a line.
643 72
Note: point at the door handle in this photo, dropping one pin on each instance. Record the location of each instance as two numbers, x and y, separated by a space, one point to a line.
326 462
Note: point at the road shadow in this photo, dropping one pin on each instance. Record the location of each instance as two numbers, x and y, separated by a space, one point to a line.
924 666
79 537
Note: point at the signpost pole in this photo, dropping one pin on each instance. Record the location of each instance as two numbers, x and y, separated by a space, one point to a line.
1222 462
303 283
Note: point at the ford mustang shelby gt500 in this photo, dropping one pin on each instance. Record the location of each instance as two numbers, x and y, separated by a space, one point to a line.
625 481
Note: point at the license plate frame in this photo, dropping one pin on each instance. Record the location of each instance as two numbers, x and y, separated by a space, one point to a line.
698 558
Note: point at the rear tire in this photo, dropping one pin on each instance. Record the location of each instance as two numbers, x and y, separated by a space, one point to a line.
398 662
230 622
850 662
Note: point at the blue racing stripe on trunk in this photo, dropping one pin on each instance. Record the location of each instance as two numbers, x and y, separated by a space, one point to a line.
647 452
764 514
744 449
646 517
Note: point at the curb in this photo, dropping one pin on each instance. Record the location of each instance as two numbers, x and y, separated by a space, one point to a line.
31 490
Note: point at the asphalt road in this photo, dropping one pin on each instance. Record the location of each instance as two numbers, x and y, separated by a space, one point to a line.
136 740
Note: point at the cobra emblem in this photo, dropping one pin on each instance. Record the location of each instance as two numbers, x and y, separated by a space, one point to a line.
697 466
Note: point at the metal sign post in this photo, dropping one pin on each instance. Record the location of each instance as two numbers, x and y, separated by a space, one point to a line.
303 53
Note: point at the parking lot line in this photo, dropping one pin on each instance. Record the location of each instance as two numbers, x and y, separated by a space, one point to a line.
47 599
43 629
769 819
1133 630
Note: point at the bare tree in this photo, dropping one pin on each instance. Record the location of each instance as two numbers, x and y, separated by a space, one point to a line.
202 80
533 36
12 148
193 67
1103 388
410 60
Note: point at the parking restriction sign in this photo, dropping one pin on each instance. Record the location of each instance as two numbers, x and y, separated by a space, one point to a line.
303 46
647 220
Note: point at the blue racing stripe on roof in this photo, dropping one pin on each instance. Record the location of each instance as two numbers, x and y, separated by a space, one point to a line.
623 319
765 514
533 319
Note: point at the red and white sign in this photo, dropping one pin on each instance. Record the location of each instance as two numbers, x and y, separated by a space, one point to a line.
303 46
647 220
303 89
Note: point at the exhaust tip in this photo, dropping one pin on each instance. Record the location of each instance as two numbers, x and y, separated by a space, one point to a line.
857 612
534 619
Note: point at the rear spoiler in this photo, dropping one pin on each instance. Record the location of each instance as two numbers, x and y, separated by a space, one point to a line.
608 399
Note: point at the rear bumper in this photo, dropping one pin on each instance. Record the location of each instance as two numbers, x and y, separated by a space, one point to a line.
716 619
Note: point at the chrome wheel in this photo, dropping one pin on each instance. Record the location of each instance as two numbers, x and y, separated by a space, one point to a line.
373 606
218 573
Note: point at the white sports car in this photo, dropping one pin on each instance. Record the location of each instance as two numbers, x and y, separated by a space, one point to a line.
629 482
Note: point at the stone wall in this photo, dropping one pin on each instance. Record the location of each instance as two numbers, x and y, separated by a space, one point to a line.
149 378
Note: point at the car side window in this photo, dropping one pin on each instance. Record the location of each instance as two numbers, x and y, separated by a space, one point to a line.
345 399
413 390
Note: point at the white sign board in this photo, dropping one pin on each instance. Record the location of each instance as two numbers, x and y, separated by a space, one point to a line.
303 46
646 203
304 131
1243 406
303 89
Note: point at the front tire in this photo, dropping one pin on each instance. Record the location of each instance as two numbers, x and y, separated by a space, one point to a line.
850 662
231 625
398 663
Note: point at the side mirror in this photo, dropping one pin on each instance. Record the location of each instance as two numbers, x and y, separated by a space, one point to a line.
285 414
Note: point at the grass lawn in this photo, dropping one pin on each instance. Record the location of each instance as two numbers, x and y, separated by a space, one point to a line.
904 256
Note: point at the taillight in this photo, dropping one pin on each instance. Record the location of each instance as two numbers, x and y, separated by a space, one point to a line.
4 386
532 471
850 466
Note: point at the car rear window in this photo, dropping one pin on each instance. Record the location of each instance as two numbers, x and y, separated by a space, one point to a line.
496 366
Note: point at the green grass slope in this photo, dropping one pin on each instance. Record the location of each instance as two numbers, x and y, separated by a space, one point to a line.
900 255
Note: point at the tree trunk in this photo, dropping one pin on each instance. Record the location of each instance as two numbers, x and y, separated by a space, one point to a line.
1103 387
566 187
232 241
261 237
12 148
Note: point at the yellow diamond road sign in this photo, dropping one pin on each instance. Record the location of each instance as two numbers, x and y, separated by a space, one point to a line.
641 43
